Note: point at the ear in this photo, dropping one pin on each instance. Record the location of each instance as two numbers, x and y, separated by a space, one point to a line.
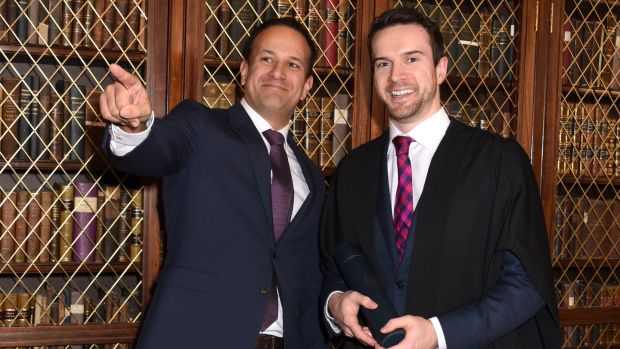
441 70
243 70
307 87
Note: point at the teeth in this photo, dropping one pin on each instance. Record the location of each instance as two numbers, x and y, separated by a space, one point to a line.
402 92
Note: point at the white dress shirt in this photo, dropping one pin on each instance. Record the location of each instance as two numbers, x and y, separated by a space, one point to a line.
122 142
427 135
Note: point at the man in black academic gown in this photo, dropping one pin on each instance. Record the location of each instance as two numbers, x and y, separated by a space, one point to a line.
452 225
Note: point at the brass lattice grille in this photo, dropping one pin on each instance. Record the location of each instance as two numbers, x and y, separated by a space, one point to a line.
480 44
587 230
322 122
71 234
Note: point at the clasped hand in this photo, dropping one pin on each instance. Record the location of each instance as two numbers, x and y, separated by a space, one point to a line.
419 332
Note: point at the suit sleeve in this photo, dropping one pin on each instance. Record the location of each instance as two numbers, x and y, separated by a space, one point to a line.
169 146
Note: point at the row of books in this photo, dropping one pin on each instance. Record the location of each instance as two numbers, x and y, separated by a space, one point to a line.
479 42
579 294
587 227
48 122
78 222
592 336
488 117
588 140
330 22
591 53
320 124
98 24
69 306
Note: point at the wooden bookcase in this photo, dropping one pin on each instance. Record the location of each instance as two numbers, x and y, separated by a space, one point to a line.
518 81
582 166
73 271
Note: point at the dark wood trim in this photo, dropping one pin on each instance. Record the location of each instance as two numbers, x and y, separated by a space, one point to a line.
68 334
157 83
193 78
588 316
176 52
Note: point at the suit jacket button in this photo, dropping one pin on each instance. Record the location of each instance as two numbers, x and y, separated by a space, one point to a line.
264 291
400 285
275 254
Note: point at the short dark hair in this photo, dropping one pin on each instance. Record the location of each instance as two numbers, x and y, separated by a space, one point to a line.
287 22
404 16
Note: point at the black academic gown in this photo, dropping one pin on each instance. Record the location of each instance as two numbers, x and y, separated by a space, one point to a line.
480 199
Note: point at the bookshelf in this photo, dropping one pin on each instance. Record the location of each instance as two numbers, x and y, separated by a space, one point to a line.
525 79
79 242
583 190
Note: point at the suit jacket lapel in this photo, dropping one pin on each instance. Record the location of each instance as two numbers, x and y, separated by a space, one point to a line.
384 210
304 163
367 193
241 122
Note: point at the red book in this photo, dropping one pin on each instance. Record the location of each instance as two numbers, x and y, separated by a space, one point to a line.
330 40
85 225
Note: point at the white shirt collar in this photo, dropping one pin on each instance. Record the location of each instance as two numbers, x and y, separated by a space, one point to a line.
260 123
428 133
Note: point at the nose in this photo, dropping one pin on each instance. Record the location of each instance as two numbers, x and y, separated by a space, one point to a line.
397 72
277 72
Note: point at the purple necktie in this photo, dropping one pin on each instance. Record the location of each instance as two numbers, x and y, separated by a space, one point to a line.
281 206
403 203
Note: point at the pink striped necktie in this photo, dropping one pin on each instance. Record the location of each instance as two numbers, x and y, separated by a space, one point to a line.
403 203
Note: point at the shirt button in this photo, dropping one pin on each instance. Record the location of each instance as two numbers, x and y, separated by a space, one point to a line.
264 291
400 285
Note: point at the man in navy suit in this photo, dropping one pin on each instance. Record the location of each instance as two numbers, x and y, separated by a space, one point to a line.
223 263
451 222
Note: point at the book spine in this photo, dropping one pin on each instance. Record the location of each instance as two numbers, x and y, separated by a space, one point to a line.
11 15
77 122
88 17
240 25
55 22
65 238
326 136
7 239
45 228
33 215
33 23
341 127
137 215
77 30
330 40
98 20
313 128
35 147
84 226
21 226
43 128
123 227
120 26
67 23
132 34
211 27
22 21
111 214
10 117
24 126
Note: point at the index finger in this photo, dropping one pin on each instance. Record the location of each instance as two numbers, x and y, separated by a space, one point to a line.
123 76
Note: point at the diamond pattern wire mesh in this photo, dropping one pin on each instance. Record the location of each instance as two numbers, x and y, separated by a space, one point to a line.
587 231
321 123
67 255
480 44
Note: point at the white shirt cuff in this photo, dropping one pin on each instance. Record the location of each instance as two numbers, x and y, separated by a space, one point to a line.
122 142
441 340
330 319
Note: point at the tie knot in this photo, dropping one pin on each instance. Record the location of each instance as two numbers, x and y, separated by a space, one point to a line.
274 137
401 143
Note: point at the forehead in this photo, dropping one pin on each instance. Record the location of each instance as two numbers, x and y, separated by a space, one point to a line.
399 39
282 40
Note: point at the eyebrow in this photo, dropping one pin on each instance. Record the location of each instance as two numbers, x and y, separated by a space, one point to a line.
407 53
271 52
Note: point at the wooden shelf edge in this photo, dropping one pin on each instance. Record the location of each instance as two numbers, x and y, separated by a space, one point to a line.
68 52
587 316
68 334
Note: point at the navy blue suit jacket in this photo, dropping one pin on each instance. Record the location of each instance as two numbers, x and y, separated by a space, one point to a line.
220 248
